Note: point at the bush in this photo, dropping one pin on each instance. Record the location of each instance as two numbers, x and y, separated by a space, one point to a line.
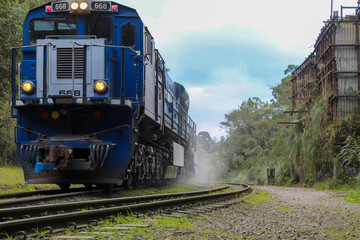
309 182
341 182
353 196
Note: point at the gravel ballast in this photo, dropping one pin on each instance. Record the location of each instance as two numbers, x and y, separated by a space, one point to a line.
269 212
292 213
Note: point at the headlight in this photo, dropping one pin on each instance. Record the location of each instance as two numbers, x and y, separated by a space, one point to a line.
100 87
55 115
28 87
74 6
84 6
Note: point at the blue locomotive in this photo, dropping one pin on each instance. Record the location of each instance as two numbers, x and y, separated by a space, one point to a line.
93 99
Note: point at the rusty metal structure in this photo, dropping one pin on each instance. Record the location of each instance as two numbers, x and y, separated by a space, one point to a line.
332 70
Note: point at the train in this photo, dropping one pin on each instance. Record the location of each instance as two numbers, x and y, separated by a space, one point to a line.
94 102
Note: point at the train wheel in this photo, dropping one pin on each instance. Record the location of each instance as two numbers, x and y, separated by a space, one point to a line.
130 181
64 187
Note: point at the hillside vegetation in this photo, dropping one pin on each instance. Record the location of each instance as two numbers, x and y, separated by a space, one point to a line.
312 149
12 16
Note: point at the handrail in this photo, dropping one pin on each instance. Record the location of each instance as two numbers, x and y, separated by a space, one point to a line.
30 46
189 123
13 72
189 127
19 78
122 65
109 46
45 57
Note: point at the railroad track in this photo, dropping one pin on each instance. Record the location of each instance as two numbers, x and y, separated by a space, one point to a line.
22 221
36 193
32 199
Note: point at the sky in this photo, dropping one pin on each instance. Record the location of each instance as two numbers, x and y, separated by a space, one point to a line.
227 51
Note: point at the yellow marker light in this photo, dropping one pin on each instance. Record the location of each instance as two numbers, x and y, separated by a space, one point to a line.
28 87
74 6
100 87
84 6
55 115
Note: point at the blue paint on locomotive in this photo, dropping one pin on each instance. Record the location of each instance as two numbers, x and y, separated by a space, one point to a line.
112 116
68 131
112 71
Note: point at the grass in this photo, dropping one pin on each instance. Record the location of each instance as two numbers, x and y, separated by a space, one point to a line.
351 185
12 180
160 228
259 196
334 185
353 196
288 210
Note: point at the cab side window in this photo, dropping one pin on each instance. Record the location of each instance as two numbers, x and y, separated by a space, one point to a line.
128 35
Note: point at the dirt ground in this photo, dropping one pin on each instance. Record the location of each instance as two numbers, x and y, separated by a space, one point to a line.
292 213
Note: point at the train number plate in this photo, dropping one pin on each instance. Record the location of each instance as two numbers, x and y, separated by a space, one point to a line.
60 6
101 6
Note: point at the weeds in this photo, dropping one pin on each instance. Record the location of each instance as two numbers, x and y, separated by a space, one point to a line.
258 197
7 236
353 196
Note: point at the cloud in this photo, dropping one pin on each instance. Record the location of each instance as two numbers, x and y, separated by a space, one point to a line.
293 25
192 54
228 88
221 67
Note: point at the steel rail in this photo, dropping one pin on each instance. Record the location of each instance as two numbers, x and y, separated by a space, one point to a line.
20 201
38 210
41 192
87 217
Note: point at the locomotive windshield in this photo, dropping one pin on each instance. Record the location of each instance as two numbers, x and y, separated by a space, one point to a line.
40 28
101 27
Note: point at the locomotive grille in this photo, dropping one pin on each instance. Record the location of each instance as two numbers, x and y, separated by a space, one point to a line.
65 60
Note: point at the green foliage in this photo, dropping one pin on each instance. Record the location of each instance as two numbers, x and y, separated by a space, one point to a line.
290 68
304 152
255 140
343 182
348 126
350 153
311 144
309 182
353 196
258 197
12 16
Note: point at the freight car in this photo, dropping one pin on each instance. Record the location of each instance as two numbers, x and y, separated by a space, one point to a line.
94 102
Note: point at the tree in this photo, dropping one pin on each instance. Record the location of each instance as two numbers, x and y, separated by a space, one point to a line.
12 16
255 141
